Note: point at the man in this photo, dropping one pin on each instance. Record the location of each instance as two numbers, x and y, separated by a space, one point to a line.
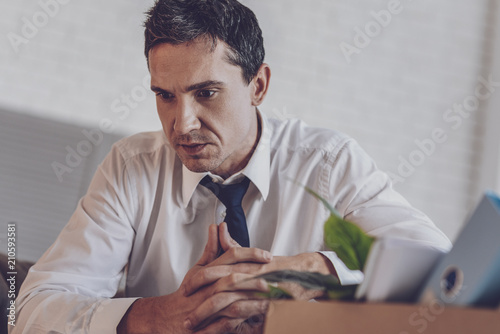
151 203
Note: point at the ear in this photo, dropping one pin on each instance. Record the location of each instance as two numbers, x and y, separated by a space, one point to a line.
260 84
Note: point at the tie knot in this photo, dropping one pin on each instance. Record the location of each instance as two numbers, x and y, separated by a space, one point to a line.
230 195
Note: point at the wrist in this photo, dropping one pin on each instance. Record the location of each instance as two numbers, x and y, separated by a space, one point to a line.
133 320
310 262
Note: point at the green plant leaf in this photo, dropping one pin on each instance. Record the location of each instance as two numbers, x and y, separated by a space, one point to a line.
352 246
308 280
351 243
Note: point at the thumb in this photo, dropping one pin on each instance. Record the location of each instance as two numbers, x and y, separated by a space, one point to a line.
212 248
226 241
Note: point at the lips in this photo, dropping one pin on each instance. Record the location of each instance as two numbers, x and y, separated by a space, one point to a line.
193 149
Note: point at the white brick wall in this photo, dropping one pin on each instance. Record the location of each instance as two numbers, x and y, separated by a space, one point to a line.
88 55
395 91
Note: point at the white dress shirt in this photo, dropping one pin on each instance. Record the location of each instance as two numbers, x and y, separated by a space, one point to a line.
144 209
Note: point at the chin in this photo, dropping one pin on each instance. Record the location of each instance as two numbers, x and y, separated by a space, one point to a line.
199 166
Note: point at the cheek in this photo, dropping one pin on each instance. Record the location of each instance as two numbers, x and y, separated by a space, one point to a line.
236 116
165 119
235 131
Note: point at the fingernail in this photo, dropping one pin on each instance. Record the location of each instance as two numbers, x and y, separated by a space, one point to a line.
268 256
187 324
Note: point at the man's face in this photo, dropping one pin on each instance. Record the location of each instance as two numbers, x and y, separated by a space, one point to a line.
204 105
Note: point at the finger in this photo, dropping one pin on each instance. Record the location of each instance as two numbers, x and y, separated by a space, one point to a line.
222 277
229 304
212 247
226 241
240 282
243 254
210 307
248 309
228 263
203 277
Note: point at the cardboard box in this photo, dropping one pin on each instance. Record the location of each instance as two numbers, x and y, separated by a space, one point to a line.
294 317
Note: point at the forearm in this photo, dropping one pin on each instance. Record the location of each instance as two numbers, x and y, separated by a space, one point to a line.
76 312
152 314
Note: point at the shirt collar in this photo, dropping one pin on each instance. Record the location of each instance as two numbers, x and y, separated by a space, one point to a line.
257 169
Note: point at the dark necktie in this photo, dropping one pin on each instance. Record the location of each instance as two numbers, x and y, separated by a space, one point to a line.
231 196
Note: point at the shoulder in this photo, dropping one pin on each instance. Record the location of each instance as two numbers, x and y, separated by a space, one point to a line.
142 145
294 135
143 151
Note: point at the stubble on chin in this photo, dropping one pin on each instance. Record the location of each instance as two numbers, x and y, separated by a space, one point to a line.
201 164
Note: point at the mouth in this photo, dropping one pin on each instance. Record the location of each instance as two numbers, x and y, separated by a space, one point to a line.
193 149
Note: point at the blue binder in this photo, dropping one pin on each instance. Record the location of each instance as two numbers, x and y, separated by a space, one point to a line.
469 275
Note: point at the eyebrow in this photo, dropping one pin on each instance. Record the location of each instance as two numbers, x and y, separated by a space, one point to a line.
197 86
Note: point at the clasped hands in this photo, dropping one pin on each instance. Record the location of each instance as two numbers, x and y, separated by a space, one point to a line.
218 294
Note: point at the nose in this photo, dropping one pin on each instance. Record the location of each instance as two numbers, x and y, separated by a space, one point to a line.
186 118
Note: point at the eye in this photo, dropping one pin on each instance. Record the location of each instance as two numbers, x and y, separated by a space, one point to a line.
165 95
205 93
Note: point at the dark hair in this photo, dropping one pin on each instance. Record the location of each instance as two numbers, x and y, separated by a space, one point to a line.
181 21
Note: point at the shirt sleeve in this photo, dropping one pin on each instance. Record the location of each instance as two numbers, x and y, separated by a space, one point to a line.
345 275
70 289
364 195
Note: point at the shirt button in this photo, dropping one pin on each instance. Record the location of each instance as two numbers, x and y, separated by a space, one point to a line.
223 214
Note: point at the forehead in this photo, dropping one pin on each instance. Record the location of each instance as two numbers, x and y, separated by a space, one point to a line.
191 62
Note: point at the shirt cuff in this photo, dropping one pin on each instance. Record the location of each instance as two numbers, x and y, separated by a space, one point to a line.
108 315
346 276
